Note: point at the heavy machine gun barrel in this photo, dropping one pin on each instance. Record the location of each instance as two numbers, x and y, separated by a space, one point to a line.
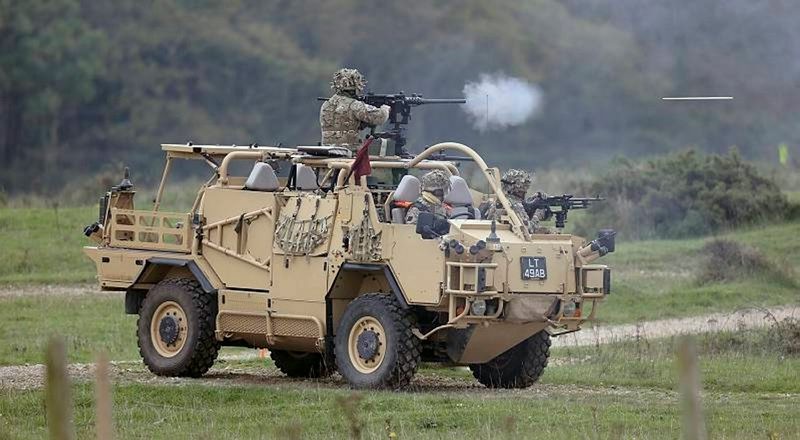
398 100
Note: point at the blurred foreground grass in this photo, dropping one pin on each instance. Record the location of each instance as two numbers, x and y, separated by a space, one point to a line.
621 390
197 411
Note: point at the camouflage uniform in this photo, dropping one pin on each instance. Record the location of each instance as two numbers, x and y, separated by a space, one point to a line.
435 185
342 116
515 186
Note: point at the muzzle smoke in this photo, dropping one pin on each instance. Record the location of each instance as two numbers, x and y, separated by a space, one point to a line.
511 101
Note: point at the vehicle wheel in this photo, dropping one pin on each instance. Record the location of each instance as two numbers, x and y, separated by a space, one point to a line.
374 345
518 367
300 364
176 328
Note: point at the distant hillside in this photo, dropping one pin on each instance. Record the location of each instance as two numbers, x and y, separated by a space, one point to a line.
86 85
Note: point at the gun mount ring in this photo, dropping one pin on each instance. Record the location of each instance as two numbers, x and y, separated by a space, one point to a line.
367 344
168 329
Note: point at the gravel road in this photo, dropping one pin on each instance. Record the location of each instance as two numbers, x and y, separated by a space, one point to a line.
740 319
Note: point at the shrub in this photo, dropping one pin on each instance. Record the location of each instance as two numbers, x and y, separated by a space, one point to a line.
781 338
788 334
683 194
727 260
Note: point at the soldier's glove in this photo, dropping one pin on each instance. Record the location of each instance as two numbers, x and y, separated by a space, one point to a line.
544 214
542 209
536 205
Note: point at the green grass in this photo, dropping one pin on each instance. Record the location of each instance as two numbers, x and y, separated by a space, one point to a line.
43 245
658 278
88 323
623 390
158 411
745 361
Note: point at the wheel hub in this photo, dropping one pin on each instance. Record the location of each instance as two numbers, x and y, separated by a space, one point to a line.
367 344
169 329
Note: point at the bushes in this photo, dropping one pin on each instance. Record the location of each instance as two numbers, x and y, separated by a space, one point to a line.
682 194
727 260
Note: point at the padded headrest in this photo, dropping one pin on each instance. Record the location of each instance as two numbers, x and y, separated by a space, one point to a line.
262 178
459 194
305 178
408 190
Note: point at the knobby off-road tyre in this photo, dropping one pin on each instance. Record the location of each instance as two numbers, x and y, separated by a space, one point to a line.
176 328
518 367
374 345
298 364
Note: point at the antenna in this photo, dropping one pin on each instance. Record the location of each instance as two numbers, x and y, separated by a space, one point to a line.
487 110
697 98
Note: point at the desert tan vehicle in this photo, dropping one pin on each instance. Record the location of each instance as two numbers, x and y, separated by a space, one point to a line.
321 270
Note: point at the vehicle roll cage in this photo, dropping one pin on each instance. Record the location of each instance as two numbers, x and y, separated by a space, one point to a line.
219 159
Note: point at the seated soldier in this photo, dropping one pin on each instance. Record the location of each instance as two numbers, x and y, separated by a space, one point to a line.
435 186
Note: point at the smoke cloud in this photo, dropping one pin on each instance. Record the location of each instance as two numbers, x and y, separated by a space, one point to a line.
511 101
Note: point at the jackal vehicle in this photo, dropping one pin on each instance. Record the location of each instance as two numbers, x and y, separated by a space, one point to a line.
320 269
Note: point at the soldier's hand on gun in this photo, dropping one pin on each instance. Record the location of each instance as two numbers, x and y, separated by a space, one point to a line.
539 211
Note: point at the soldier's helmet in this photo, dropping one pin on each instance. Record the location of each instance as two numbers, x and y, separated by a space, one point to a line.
348 80
436 180
516 182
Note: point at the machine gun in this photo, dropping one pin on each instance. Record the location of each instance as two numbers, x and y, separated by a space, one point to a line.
399 114
565 202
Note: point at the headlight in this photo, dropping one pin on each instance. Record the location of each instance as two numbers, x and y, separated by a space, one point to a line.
479 307
569 308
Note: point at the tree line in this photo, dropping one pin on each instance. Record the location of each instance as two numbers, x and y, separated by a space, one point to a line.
85 85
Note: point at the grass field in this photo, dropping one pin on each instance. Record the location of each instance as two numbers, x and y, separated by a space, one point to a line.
659 279
43 245
622 390
87 323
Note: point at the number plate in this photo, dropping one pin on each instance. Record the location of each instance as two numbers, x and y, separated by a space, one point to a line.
533 268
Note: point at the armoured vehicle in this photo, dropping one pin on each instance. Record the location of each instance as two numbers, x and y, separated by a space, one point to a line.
320 269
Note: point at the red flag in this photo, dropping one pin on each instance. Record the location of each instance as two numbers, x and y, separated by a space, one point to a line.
361 166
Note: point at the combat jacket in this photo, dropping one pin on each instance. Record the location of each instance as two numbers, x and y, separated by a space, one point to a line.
530 223
341 118
427 202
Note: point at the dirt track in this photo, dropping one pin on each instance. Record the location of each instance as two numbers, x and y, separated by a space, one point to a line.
52 289
740 319
223 373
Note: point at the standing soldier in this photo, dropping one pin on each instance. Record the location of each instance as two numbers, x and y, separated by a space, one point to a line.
435 185
343 116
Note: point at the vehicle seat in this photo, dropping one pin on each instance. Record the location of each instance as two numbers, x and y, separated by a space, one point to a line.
262 178
305 179
460 198
407 192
